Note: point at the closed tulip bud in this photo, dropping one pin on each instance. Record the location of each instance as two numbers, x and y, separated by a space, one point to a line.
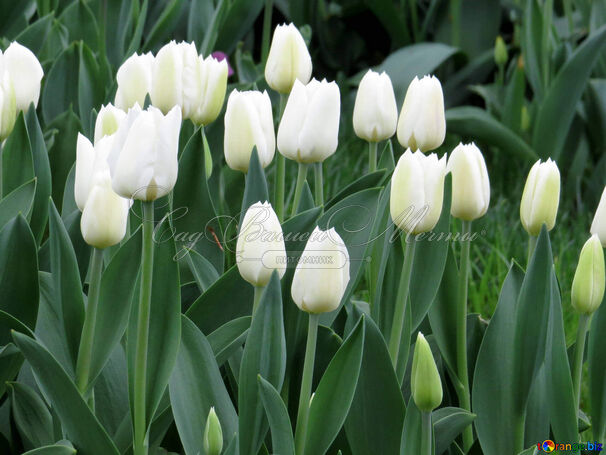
213 84
105 214
7 104
588 281
309 129
375 114
422 124
108 120
598 225
260 247
288 59
25 73
541 197
425 380
213 434
90 162
470 184
134 81
500 51
248 123
143 157
322 273
417 191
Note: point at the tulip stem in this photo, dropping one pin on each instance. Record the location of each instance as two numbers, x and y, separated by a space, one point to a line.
301 176
269 4
306 383
579 350
88 331
426 431
532 244
464 397
401 301
140 371
372 156
257 298
319 184
280 171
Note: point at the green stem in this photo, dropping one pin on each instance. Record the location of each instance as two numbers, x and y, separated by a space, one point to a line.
147 267
464 398
306 383
372 156
401 301
319 185
88 331
426 431
269 4
280 172
579 349
257 298
412 4
1 158
568 12
532 244
299 188
455 14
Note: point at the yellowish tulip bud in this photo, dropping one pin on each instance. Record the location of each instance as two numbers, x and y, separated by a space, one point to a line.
425 380
500 51
589 278
541 197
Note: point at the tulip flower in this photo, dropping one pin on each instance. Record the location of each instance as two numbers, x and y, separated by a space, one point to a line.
134 81
422 124
213 434
213 84
598 225
108 120
260 246
417 191
541 197
7 105
425 382
589 278
90 161
288 59
25 72
248 123
322 273
143 158
375 114
470 184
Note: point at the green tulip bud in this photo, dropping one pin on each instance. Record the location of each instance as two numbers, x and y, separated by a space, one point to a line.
500 51
541 197
425 379
589 278
213 435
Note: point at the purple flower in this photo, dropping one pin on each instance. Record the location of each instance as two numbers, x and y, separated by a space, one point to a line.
223 56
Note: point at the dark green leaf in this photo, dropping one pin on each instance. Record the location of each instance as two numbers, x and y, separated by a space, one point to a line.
17 161
448 423
597 378
18 201
281 432
229 337
55 449
32 417
255 189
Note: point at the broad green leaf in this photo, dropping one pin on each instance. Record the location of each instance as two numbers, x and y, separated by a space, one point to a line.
514 100
34 36
17 161
228 338
307 199
199 20
532 45
255 189
335 393
91 87
366 181
162 28
15 16
54 449
282 440
238 20
61 86
596 358
81 24
135 42
195 386
77 420
10 364
448 423
32 417
203 271
18 201
410 443
265 355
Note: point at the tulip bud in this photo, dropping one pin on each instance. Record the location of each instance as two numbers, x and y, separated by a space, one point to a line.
470 184
260 247
598 225
213 84
25 72
424 379
500 51
213 434
105 214
422 125
248 123
541 197
7 104
588 282
417 191
143 157
309 129
375 114
288 59
322 273
90 161
134 81
108 120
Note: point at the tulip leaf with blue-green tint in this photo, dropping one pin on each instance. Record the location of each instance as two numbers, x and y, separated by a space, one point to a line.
255 189
54 449
228 338
18 201
448 423
410 443
17 160
596 358
32 417
277 415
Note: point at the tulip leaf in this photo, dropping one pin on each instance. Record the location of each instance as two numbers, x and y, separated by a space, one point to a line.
10 364
203 271
166 22
32 417
255 189
307 199
597 379
370 180
282 440
410 443
77 420
195 386
80 23
237 19
335 393
91 87
54 449
228 338
17 161
61 86
265 355
448 423
20 200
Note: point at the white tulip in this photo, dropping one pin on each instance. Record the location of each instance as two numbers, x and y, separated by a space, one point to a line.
25 73
541 197
422 124
7 104
108 120
248 123
470 184
90 162
134 81
105 214
417 191
260 247
589 278
598 225
288 59
309 129
322 274
375 114
143 159
213 84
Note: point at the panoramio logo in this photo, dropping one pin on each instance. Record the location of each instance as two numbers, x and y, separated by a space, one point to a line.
549 446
